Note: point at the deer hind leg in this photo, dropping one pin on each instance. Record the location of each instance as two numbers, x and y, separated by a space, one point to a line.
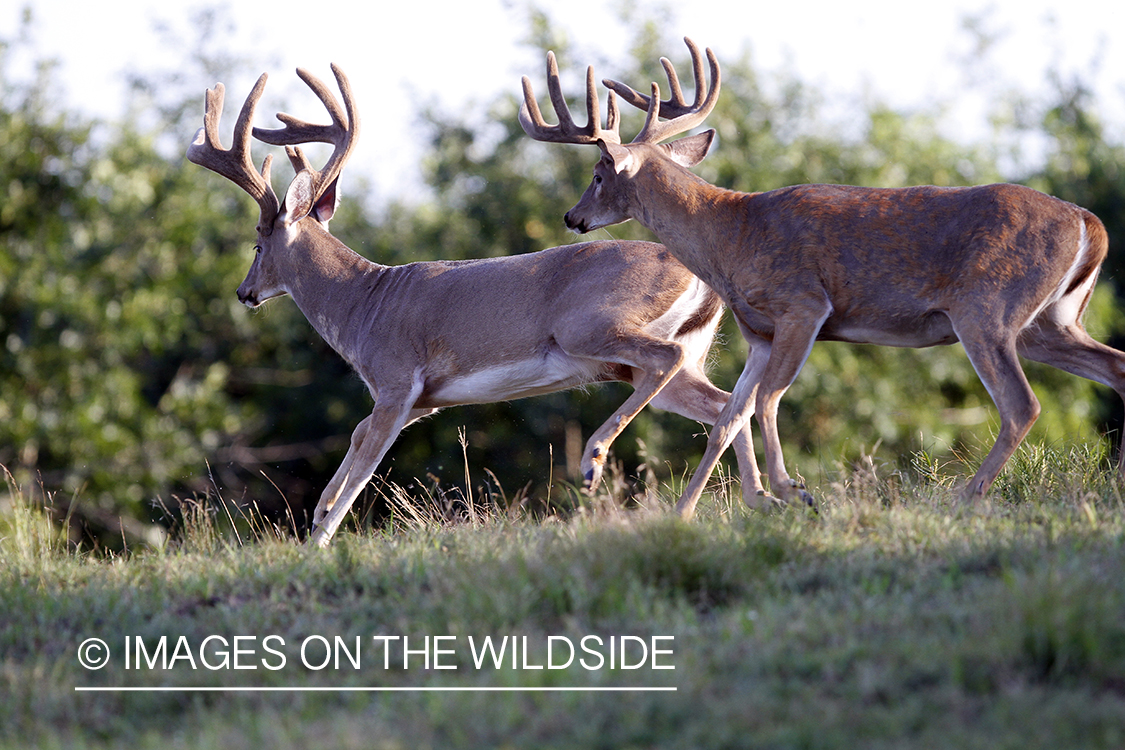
657 361
731 424
1071 349
997 364
690 394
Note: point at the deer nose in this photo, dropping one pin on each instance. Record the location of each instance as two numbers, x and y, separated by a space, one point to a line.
572 225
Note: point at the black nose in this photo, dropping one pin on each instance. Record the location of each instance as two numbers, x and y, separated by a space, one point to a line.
573 225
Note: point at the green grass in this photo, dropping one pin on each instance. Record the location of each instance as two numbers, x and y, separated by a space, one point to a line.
892 619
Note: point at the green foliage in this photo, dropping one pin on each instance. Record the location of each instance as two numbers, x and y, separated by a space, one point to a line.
127 365
129 374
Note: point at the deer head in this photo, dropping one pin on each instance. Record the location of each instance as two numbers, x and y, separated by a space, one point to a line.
609 199
311 198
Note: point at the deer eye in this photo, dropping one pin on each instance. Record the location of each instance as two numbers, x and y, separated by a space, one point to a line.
258 249
597 179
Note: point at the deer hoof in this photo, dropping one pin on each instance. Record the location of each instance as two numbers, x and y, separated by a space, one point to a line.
593 474
797 494
591 480
318 538
764 501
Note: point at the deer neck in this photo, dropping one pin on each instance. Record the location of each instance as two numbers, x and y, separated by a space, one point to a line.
688 214
331 285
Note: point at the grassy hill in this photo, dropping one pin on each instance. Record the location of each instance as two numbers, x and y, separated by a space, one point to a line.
891 618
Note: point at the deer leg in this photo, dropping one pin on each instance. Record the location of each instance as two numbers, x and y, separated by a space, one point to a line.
383 426
998 367
370 442
332 492
1071 349
732 422
658 361
792 343
690 394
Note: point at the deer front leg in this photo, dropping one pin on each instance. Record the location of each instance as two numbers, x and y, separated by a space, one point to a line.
999 369
331 493
370 442
658 362
792 343
690 394
733 421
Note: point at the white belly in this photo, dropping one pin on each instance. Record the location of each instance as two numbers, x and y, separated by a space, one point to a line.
529 377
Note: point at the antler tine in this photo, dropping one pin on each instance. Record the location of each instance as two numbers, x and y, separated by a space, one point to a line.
350 123
235 163
558 101
593 115
298 160
676 106
531 118
342 132
680 116
612 116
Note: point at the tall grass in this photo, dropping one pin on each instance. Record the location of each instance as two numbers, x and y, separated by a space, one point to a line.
27 529
891 617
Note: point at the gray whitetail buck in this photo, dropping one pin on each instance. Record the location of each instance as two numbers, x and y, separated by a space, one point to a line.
1005 270
429 335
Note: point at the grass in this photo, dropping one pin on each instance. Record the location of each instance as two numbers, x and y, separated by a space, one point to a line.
893 618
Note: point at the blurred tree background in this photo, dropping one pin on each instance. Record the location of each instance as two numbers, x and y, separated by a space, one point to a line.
131 377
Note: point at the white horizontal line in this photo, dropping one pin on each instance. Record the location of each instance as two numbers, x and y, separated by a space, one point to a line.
80 689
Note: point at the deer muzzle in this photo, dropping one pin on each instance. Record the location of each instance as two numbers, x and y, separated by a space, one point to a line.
247 297
573 224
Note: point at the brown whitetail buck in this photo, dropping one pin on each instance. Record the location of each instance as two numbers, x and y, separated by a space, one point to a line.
429 335
1003 269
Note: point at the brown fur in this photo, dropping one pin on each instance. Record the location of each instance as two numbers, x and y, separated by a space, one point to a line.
428 335
1003 269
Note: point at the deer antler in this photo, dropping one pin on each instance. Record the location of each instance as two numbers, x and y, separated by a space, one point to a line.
682 116
342 132
566 131
235 163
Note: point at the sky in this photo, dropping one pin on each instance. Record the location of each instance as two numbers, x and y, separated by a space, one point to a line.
462 54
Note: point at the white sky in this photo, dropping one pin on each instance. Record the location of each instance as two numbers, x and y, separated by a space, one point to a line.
461 52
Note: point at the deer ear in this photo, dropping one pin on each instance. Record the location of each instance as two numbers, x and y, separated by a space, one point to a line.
619 157
298 198
325 207
687 152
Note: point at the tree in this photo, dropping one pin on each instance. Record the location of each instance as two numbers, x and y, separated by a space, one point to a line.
130 375
129 372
